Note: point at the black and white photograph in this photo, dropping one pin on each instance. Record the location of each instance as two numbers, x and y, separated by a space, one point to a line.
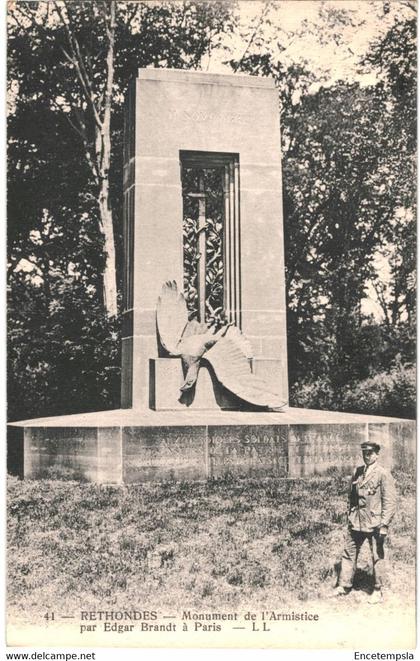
211 334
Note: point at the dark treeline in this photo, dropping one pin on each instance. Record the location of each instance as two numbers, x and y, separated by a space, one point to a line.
348 189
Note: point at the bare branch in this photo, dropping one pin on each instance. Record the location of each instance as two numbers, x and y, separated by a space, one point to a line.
16 14
410 4
26 10
133 14
67 56
379 290
80 129
254 34
110 25
76 59
82 71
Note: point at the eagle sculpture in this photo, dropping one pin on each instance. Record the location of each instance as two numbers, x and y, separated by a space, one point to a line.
228 351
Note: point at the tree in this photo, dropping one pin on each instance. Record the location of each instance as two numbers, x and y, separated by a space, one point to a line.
347 181
59 55
78 56
96 105
393 58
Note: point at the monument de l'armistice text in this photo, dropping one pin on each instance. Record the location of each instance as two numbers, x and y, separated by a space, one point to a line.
204 348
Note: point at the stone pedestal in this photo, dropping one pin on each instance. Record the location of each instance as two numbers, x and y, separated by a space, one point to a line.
166 377
119 446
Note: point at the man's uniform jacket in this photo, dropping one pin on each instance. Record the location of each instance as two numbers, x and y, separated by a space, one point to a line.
373 500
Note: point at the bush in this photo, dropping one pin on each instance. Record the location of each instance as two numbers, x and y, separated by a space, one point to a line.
387 393
390 393
318 394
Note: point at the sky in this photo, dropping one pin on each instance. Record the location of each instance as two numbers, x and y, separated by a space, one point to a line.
331 36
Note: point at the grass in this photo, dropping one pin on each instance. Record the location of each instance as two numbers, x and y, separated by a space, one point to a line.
223 543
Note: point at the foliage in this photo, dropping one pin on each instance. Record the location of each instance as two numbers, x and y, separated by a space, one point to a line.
56 249
390 393
221 544
349 204
387 393
46 104
73 365
313 394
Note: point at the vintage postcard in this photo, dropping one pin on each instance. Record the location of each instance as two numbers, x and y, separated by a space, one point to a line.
211 324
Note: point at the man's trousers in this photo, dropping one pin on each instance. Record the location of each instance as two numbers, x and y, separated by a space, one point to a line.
353 544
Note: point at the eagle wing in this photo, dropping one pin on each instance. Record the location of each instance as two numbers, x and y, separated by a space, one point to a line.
233 370
171 317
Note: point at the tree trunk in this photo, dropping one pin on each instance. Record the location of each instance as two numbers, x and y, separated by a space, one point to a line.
109 274
99 108
103 151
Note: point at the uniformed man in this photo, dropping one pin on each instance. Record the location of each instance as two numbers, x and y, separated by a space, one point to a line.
372 505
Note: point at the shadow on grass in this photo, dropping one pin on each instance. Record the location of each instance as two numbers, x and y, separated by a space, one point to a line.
363 580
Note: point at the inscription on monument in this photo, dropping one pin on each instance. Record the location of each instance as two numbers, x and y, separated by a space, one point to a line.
192 115
401 442
164 453
77 440
60 452
314 451
248 451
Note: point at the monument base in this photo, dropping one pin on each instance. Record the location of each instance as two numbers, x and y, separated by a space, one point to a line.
166 377
126 446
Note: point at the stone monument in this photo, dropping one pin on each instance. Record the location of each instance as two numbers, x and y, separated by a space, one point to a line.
179 121
202 207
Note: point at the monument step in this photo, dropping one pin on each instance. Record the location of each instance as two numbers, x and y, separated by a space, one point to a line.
136 417
114 447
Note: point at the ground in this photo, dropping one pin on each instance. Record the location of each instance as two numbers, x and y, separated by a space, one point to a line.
222 545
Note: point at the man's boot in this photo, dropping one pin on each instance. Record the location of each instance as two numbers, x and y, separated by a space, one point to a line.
376 597
340 591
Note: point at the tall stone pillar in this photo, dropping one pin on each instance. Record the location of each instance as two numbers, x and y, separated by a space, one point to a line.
234 118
